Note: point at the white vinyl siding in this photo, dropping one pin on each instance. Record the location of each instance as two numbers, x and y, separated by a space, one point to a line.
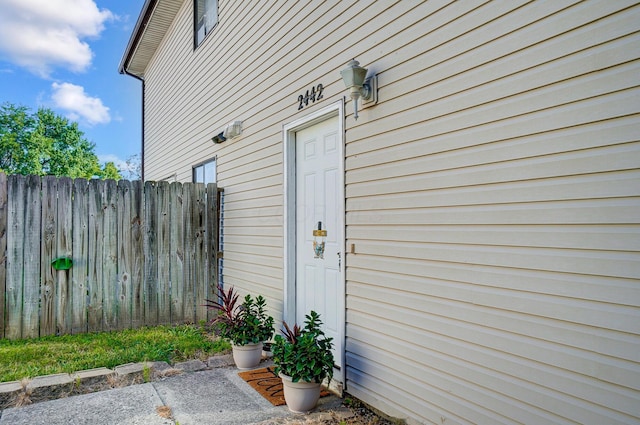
493 193
493 208
189 96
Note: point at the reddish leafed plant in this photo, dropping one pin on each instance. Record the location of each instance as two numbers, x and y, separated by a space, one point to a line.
241 323
226 308
289 334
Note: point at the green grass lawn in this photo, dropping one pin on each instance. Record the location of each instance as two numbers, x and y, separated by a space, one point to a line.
70 353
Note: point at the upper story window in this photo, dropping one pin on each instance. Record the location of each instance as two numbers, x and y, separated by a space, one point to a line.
205 18
205 172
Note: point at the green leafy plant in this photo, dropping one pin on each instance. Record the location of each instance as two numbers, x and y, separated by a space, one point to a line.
242 324
304 354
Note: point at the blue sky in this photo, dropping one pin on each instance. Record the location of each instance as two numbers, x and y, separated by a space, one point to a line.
64 55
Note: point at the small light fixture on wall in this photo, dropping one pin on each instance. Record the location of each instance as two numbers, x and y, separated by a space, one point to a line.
230 131
354 77
218 138
233 129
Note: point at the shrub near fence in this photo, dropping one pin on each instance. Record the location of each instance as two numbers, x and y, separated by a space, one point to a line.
143 254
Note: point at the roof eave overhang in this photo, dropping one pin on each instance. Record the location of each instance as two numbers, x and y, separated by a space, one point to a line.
153 23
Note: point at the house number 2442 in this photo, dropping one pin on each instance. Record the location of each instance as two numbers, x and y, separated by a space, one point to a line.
310 96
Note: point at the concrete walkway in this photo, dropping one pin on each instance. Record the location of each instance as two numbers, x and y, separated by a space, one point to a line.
212 396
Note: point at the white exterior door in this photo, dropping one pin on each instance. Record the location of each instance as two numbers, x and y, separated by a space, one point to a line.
319 183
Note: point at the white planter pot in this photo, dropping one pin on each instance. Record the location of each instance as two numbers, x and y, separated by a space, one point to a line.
247 356
266 350
301 397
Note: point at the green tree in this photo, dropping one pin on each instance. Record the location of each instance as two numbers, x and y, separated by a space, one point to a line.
110 171
45 143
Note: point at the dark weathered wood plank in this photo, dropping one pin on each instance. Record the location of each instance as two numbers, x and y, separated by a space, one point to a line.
3 249
63 249
47 252
95 255
124 254
110 256
164 231
176 243
31 289
190 229
151 252
212 245
78 275
137 254
200 251
16 204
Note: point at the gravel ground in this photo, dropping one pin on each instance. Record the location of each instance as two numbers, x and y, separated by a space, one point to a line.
351 413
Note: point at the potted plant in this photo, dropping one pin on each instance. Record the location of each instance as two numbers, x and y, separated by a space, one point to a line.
245 325
303 359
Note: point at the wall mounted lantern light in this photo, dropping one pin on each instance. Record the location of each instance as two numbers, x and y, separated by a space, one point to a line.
230 131
354 77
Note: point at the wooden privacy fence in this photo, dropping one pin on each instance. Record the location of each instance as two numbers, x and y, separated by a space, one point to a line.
142 254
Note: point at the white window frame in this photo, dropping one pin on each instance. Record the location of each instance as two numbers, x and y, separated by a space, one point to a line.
205 177
205 20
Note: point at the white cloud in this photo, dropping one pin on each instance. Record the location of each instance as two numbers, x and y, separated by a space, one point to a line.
79 105
129 168
120 164
40 35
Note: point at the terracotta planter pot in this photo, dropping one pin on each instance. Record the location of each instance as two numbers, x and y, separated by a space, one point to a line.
301 397
247 356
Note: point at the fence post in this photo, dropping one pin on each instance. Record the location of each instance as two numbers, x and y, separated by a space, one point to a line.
199 221
110 256
31 265
137 254
94 257
64 249
47 251
151 255
79 273
212 245
163 213
188 192
16 200
3 249
177 247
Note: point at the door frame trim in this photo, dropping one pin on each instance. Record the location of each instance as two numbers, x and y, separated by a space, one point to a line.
289 130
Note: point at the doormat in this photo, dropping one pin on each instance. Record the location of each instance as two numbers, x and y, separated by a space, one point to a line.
268 385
